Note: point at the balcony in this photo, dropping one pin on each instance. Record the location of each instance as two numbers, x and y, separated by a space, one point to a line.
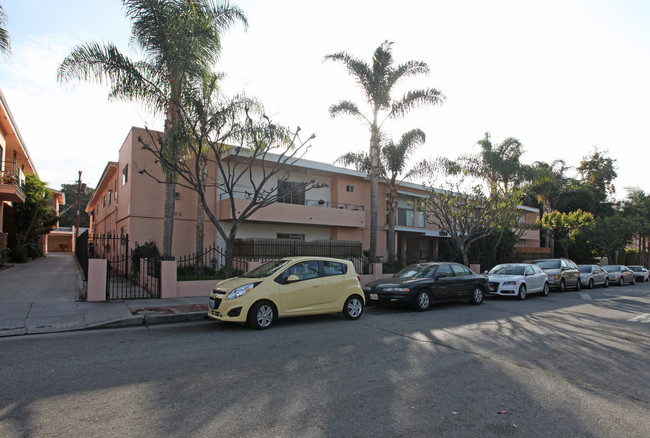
11 184
313 212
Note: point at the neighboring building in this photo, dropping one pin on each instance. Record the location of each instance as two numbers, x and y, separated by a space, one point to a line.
15 163
129 202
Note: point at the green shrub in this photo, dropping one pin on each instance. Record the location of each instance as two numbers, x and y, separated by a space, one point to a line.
19 254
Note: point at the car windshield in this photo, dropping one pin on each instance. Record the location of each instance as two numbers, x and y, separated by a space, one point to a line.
548 264
611 268
636 268
585 269
508 270
266 269
417 271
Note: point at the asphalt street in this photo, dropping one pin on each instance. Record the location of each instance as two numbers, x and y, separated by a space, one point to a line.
571 364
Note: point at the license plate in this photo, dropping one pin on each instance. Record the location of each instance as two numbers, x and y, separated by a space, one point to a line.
212 303
374 297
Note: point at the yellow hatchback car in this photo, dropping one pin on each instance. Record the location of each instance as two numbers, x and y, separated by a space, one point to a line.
287 287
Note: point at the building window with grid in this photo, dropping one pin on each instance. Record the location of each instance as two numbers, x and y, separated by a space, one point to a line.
291 192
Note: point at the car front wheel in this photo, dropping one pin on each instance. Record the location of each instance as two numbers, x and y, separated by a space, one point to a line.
477 296
353 307
261 315
522 292
423 300
591 283
606 284
633 280
562 287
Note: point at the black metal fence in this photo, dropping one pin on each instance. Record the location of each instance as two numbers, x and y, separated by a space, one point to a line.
209 265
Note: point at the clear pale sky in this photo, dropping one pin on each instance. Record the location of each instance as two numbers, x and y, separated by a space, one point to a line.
561 76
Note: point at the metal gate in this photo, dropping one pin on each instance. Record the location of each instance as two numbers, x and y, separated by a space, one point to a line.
127 277
125 281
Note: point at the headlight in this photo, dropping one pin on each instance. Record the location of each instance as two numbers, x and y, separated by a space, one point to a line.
397 289
556 276
509 283
239 291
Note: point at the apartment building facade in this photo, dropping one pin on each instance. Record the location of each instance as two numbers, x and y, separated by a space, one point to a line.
128 201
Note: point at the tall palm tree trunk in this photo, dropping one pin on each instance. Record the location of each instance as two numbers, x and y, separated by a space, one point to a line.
374 190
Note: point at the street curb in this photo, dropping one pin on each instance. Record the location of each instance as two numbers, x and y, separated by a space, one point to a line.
179 317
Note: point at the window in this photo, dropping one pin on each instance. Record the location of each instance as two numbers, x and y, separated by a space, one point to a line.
529 270
334 268
110 196
291 192
461 271
125 174
303 270
178 196
291 236
349 189
444 271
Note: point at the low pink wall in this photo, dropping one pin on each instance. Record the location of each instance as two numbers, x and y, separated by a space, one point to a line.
97 269
201 288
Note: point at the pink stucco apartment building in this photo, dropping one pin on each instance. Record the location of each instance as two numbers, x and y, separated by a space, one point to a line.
15 163
126 201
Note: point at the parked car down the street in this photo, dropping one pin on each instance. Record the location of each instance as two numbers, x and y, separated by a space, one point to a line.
593 275
293 286
640 272
562 273
517 280
619 274
422 284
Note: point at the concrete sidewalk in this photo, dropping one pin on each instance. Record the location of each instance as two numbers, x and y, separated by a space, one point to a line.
43 296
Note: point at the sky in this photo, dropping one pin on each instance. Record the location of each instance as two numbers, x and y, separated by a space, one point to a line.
563 77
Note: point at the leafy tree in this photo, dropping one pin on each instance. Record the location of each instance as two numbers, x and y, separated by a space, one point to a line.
377 81
5 41
565 227
468 216
393 171
69 213
180 40
611 233
34 218
251 154
637 206
598 172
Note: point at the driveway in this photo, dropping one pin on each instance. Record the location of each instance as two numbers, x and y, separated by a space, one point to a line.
55 278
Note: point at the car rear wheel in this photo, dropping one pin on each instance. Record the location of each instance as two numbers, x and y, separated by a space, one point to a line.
477 296
423 301
522 292
633 280
353 307
606 284
261 315
578 285
545 290
591 283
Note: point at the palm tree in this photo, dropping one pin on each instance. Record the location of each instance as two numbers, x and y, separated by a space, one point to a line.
180 40
392 165
377 80
5 42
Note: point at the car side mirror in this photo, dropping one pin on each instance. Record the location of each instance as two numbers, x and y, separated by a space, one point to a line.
292 278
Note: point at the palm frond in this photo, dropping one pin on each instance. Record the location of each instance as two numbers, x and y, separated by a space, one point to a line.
416 98
360 161
5 41
347 107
